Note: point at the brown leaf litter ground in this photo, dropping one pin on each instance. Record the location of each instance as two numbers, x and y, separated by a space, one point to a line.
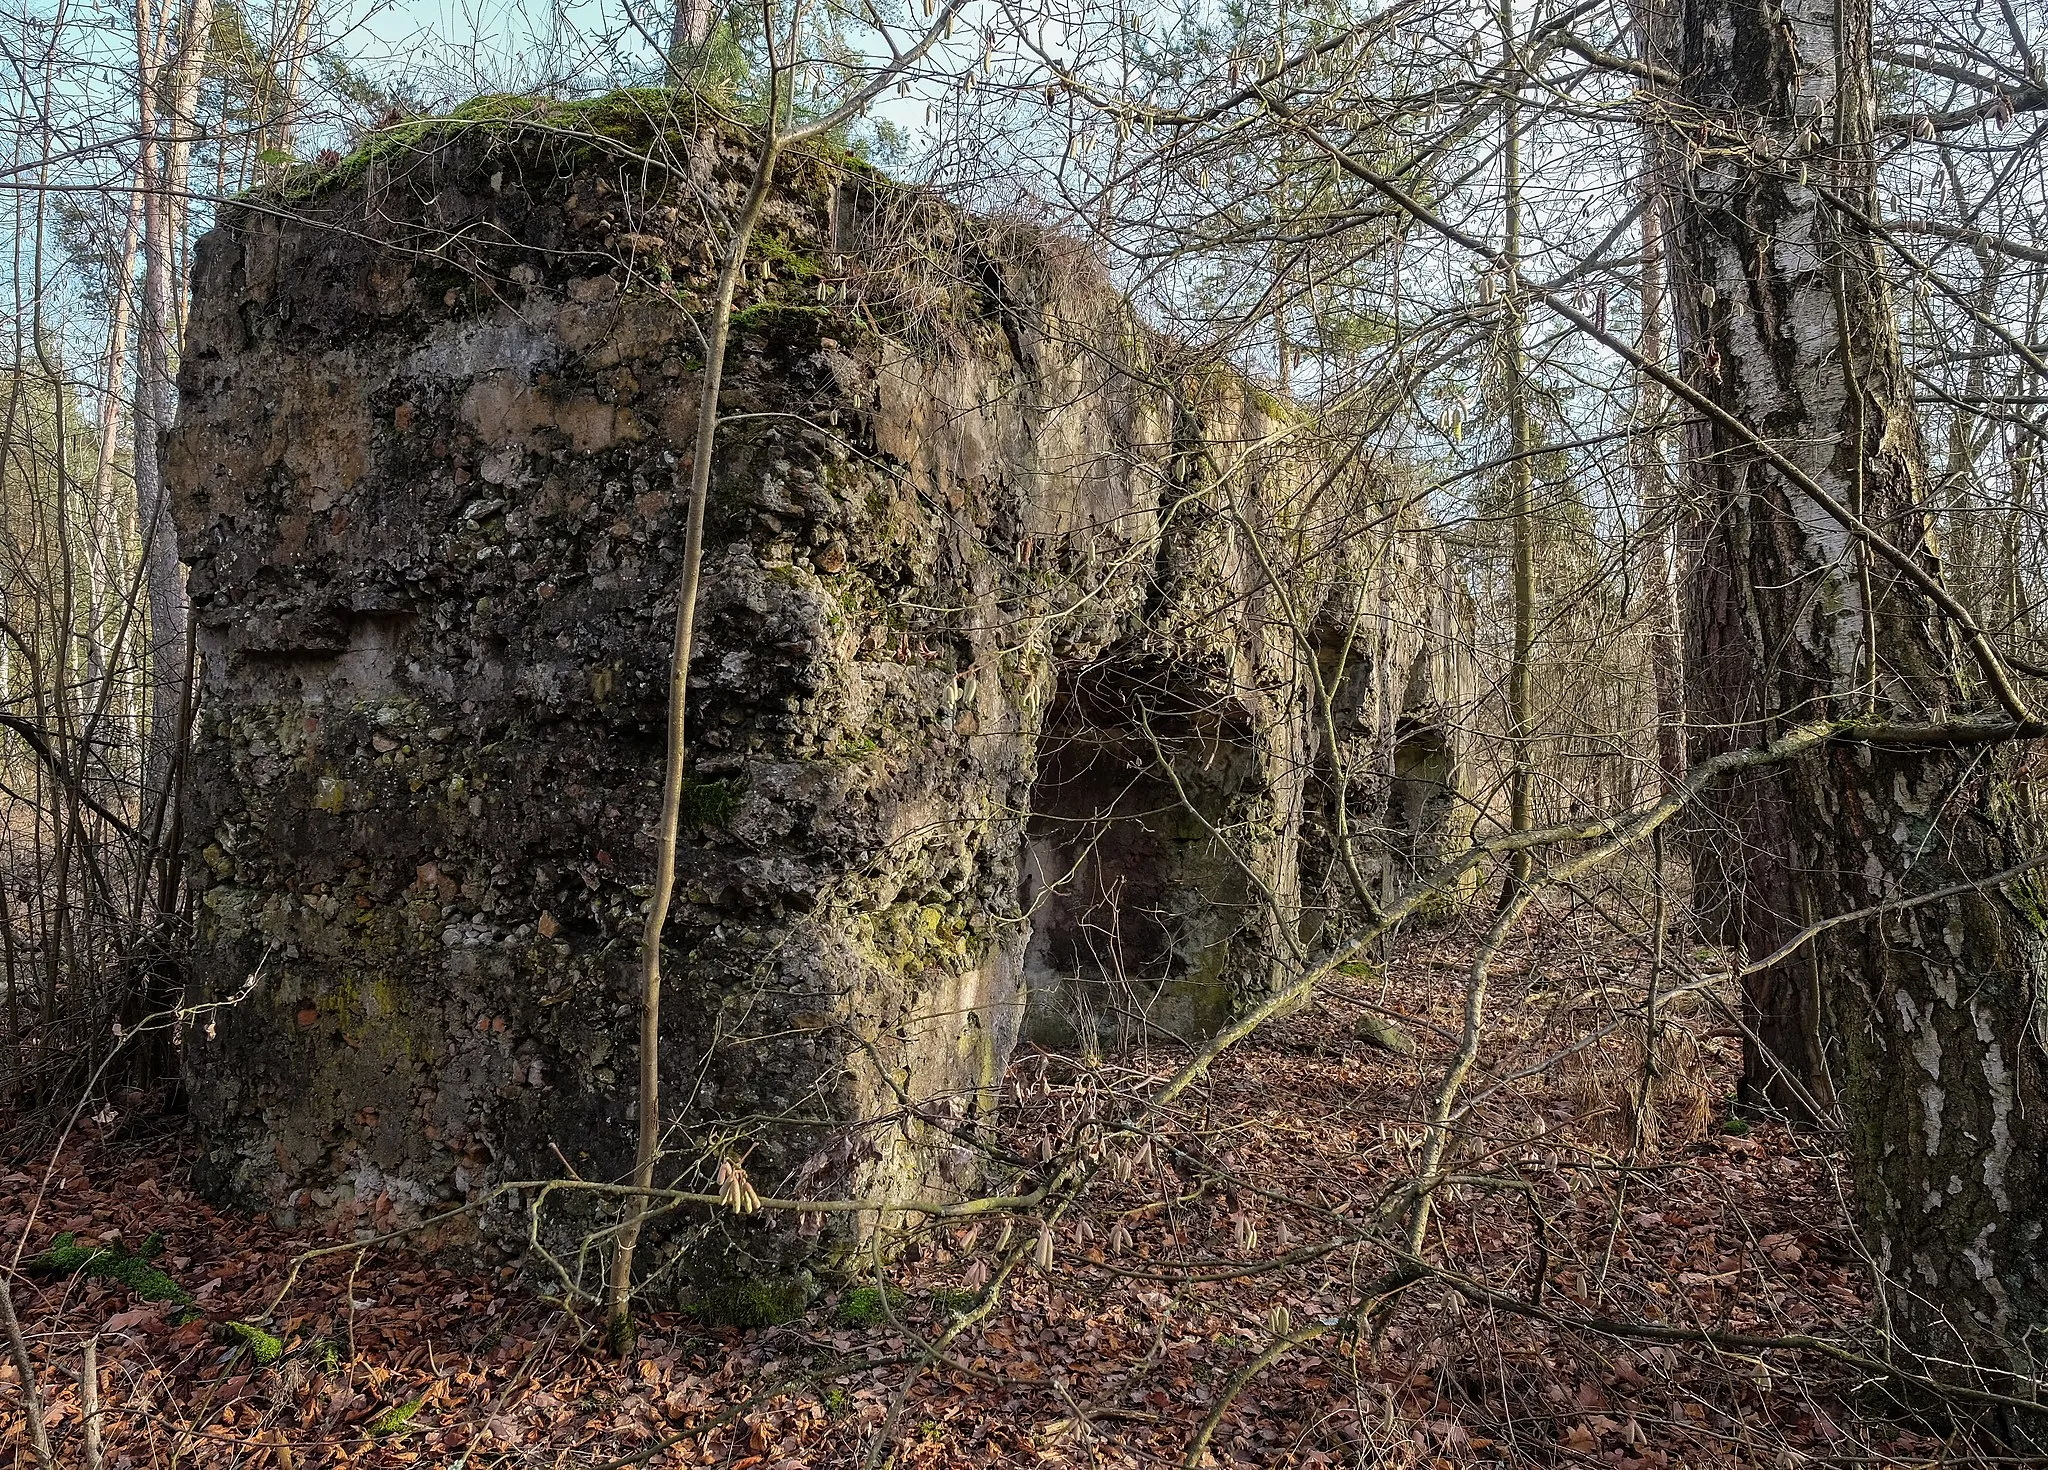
1249 1215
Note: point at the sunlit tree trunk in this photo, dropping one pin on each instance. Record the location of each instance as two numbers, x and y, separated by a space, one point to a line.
1659 559
1521 477
168 131
1931 1010
112 518
293 64
690 29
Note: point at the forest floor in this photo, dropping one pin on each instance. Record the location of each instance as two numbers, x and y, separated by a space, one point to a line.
1250 1216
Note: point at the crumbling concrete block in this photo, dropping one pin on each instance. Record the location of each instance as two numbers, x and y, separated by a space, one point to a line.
992 688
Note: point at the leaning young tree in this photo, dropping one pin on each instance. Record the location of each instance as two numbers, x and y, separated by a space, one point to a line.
1818 592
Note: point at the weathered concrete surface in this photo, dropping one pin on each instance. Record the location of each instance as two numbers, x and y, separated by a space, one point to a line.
974 535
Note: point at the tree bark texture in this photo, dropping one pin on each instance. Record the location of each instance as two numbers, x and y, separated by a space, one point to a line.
1521 482
1930 1012
691 27
1739 842
168 136
1648 449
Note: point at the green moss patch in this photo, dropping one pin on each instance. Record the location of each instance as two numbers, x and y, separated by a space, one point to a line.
751 1304
788 262
132 1269
395 1419
955 1299
1383 1034
782 324
869 1306
264 1349
711 803
631 120
632 117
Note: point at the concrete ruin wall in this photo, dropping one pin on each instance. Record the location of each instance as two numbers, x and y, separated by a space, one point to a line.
978 558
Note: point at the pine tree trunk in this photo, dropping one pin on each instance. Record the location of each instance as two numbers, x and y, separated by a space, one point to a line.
1932 1009
689 29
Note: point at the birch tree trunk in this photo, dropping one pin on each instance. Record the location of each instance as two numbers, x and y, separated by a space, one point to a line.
1740 840
1931 1010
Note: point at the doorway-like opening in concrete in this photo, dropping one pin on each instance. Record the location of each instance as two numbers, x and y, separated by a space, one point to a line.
1143 922
1422 800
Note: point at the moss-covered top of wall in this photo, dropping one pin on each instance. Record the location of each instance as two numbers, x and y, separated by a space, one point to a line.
650 124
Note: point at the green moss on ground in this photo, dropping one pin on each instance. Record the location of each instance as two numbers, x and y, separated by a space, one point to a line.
264 1349
1435 911
751 1304
395 1419
1383 1034
132 1269
955 1299
869 1306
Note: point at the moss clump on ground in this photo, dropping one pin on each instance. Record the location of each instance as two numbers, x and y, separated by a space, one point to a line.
1435 911
751 1303
869 1306
264 1349
395 1419
132 1269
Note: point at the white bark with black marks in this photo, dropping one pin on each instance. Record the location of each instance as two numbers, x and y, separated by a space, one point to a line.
1927 1014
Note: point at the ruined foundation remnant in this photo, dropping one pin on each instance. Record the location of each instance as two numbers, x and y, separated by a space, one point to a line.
977 566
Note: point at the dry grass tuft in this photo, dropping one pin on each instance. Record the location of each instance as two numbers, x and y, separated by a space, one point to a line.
1623 1101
